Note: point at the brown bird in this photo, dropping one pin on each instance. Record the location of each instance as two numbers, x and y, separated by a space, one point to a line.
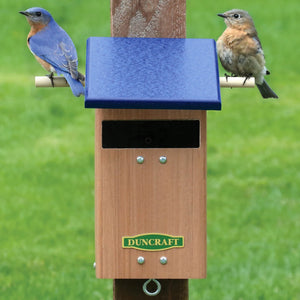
240 50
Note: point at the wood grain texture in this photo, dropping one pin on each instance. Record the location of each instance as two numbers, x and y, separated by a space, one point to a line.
134 199
140 18
148 18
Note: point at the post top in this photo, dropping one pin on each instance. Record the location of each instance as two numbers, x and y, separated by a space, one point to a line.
152 73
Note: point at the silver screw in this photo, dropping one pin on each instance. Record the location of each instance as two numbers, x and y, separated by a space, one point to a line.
163 260
140 260
140 159
94 265
163 159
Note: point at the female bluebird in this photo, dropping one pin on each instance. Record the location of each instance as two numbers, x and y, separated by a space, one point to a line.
53 48
240 50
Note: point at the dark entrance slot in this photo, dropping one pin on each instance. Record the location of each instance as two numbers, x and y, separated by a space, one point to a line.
151 134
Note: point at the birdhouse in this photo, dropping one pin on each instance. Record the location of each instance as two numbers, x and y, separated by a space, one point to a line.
151 96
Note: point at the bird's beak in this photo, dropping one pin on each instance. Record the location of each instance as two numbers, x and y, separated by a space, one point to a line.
222 15
24 13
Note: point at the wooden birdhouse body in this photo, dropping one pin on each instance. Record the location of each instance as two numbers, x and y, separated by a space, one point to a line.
151 154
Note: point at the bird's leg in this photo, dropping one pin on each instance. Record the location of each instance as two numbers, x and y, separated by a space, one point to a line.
50 76
247 77
226 76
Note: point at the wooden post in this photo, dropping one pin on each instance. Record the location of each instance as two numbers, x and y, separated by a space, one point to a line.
148 18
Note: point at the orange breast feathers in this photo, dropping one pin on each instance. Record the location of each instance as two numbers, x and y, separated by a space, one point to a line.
44 64
34 29
239 42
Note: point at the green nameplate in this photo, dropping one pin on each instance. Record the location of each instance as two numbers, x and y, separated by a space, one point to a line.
152 242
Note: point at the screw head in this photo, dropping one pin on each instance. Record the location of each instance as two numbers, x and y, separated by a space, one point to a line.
140 260
163 159
163 260
140 159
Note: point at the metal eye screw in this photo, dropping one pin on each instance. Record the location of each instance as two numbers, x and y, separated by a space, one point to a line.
158 287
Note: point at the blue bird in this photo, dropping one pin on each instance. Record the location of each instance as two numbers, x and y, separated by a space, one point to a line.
53 48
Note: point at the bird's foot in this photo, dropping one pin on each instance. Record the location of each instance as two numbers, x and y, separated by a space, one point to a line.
227 76
50 76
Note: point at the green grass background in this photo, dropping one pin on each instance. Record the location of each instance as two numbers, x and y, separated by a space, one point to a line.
47 164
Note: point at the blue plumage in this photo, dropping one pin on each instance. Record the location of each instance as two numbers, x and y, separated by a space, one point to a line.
51 44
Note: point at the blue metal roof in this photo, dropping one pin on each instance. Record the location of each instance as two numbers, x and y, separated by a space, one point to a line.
152 73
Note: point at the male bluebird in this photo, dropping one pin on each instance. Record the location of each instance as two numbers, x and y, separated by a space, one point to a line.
53 48
240 50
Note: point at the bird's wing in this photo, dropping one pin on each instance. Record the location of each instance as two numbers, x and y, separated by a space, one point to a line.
257 44
257 40
53 45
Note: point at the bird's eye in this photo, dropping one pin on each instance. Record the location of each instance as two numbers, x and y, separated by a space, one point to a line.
38 13
236 16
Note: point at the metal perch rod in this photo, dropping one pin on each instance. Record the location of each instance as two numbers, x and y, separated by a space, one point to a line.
229 82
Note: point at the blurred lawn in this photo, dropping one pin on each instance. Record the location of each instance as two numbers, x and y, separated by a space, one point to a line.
47 165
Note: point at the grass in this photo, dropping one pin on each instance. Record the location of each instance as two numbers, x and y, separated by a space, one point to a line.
47 166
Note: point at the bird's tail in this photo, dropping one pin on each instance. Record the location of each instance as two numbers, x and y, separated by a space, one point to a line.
266 91
75 85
